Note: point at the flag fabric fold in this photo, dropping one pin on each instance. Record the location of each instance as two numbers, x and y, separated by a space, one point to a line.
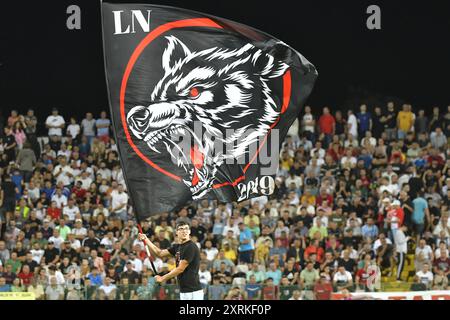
200 104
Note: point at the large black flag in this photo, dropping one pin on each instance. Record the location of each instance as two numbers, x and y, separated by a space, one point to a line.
200 104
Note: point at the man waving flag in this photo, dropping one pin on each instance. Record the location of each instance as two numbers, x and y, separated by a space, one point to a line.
200 104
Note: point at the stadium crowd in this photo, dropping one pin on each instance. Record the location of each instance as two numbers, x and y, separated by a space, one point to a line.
356 195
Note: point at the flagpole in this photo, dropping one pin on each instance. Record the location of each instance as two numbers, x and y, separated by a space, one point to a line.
147 250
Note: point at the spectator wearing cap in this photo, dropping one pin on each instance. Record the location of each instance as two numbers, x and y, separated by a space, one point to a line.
395 217
68 252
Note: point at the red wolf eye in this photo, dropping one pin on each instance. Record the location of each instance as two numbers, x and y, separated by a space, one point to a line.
193 93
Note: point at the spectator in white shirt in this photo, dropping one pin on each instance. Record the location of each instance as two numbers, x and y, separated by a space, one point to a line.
204 275
85 179
88 127
73 129
342 279
119 201
442 227
231 226
424 254
107 291
137 263
63 172
71 210
37 253
401 246
369 139
425 276
211 252
377 242
63 152
104 171
79 231
352 124
59 198
109 241
348 161
56 239
55 123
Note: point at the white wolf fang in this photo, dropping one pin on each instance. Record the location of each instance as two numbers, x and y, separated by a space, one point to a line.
222 89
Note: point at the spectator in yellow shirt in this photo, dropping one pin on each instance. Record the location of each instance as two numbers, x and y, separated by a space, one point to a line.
405 121
262 251
308 198
251 217
229 253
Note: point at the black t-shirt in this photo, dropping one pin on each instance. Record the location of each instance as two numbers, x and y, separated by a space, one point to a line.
307 220
32 265
199 232
71 254
349 265
9 191
189 279
93 244
133 277
392 122
164 244
50 255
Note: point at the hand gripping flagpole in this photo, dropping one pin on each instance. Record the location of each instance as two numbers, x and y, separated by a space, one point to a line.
147 250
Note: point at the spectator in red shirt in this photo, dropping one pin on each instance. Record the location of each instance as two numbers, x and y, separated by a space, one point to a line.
323 289
270 291
327 125
79 191
396 215
25 275
315 248
54 211
324 196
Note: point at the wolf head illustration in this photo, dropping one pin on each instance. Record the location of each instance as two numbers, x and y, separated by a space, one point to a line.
220 88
